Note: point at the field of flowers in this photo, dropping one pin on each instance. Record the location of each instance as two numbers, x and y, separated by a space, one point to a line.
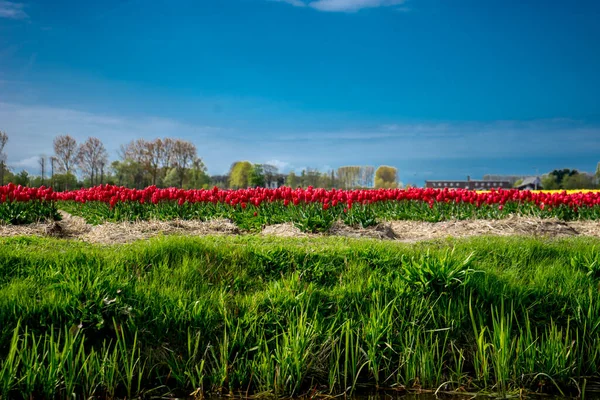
21 205
311 209
194 316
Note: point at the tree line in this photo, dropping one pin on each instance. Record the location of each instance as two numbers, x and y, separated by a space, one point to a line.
245 174
169 162
570 179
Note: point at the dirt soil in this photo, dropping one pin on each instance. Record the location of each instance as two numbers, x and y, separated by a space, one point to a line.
76 228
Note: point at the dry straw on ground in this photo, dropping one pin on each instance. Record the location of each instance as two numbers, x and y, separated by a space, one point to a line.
126 232
283 230
514 225
408 231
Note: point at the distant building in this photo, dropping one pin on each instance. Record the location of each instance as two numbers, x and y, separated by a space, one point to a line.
511 178
275 181
530 183
468 184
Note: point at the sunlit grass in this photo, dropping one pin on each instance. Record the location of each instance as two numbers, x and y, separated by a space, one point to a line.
179 315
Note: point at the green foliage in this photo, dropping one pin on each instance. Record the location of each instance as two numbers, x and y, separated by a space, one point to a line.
19 212
131 174
21 178
386 177
239 174
313 217
291 180
568 179
549 182
362 215
561 174
578 181
197 176
437 273
250 314
589 263
256 177
171 178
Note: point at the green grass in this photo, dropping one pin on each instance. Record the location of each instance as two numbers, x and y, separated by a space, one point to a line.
312 217
27 212
249 314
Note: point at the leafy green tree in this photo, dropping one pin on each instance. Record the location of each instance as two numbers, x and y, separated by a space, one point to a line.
327 180
130 173
310 177
22 178
518 183
291 180
36 181
64 181
560 174
549 182
239 174
171 178
578 181
198 178
386 177
257 176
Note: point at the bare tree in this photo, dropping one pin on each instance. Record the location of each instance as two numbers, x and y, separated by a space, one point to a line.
134 151
53 161
167 153
155 152
65 148
349 177
183 154
367 176
91 157
134 162
42 162
3 141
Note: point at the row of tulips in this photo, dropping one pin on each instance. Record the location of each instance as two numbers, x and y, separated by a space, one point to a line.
257 196
23 205
312 209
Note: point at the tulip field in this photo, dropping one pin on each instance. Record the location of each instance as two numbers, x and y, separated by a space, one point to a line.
191 316
311 209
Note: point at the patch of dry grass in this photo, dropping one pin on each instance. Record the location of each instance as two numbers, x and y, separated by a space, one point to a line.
71 227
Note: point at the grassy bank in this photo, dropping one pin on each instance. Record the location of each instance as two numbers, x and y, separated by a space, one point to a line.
286 316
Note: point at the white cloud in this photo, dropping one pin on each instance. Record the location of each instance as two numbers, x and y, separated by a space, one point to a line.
31 130
30 163
351 5
295 3
344 5
426 146
281 165
9 9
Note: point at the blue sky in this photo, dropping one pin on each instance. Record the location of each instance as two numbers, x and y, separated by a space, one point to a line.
437 88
